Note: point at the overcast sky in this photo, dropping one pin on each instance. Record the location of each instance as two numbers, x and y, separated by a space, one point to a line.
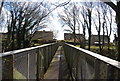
54 23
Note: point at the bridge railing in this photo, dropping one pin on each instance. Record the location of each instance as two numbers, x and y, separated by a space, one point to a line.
86 65
28 63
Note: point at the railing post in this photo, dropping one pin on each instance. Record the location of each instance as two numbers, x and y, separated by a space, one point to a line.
79 67
42 67
47 57
44 55
38 67
28 58
51 52
7 67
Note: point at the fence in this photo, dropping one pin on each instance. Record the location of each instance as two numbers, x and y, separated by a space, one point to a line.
29 63
85 65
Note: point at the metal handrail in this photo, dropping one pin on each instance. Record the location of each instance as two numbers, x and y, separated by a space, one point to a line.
23 50
84 64
98 56
28 63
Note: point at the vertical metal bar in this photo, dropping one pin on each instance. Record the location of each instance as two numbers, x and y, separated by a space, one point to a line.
48 55
44 54
51 52
37 64
46 58
41 64
28 65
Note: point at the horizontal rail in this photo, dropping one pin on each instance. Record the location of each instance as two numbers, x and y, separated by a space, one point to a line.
23 50
28 63
84 64
98 56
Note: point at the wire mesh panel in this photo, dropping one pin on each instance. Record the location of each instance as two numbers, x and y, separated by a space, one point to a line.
103 72
32 64
75 63
41 63
49 54
29 63
79 66
89 67
113 72
1 56
7 67
45 57
86 65
21 66
0 67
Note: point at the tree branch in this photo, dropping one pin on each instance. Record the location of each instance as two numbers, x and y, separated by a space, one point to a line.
111 4
1 6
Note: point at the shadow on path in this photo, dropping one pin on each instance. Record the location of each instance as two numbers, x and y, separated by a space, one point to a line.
58 70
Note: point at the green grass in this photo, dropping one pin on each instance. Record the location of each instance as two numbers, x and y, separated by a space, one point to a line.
18 75
78 45
97 47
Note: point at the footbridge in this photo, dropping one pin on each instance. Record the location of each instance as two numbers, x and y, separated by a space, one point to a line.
57 61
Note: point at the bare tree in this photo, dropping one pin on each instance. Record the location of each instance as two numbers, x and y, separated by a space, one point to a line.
83 21
109 21
100 23
24 19
116 9
89 6
98 27
69 18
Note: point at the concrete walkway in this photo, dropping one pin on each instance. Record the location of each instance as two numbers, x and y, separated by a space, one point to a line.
58 69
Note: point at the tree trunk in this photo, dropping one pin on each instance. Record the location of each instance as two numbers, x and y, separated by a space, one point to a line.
118 25
84 41
1 6
74 19
13 31
108 43
89 42
99 42
18 39
74 38
13 46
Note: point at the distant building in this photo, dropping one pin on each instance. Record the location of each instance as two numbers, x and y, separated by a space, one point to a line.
3 35
95 39
70 37
44 35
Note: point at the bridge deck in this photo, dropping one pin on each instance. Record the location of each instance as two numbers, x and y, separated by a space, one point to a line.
58 68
